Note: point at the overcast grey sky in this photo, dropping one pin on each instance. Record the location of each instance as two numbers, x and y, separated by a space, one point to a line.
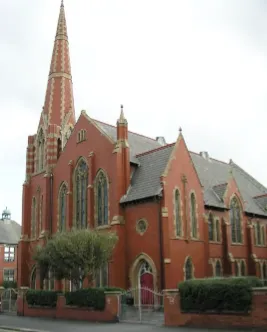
198 64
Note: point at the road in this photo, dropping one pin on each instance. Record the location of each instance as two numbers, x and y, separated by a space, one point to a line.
52 325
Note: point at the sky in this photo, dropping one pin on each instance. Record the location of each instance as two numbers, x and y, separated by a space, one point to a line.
199 65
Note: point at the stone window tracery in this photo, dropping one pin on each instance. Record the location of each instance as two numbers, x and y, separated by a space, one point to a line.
141 226
81 181
101 195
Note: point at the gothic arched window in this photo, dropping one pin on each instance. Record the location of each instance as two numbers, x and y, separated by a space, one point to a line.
218 231
242 268
218 269
178 226
33 218
62 207
237 273
40 151
101 195
193 216
102 276
188 269
235 220
211 227
33 278
81 180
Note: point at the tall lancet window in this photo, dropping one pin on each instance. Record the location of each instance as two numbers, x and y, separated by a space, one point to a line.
101 195
178 228
40 151
235 221
62 207
81 179
33 218
193 216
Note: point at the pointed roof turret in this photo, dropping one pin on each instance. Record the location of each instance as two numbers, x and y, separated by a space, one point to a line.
122 120
59 103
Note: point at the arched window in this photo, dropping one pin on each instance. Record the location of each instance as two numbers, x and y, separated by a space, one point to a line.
101 194
178 228
218 269
62 207
193 216
235 220
102 276
41 214
218 231
40 151
242 269
81 180
237 269
188 269
211 227
33 279
33 218
59 147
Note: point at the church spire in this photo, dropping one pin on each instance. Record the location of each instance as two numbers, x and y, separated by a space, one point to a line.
59 103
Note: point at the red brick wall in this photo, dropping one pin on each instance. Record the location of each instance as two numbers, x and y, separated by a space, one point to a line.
255 319
109 314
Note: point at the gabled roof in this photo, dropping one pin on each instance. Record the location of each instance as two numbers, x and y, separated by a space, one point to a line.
10 232
213 174
146 179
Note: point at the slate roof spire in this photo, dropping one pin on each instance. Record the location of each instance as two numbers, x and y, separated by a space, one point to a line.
59 101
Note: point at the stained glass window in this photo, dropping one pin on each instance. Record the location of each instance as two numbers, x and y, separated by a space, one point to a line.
211 227
178 228
81 178
102 199
62 207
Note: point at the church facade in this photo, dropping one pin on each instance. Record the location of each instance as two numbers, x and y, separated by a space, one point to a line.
178 214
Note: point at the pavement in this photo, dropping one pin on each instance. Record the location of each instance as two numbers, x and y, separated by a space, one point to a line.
10 323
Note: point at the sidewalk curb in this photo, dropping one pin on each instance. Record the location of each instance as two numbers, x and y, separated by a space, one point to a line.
18 329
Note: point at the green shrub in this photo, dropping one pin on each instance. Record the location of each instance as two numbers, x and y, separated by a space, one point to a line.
41 298
87 297
113 289
217 294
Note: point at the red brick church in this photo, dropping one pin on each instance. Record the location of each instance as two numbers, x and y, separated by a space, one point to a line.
178 214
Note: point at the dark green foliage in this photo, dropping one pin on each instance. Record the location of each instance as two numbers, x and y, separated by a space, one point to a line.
42 298
112 289
218 294
87 298
9 284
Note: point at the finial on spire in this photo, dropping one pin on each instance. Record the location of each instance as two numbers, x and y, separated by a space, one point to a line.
122 119
62 3
180 130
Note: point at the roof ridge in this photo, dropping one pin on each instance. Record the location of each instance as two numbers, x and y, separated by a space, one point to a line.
248 176
156 149
108 124
219 161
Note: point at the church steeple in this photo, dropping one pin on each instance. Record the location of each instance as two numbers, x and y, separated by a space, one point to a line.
59 103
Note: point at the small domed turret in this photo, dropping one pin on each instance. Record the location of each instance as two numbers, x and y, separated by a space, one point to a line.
6 214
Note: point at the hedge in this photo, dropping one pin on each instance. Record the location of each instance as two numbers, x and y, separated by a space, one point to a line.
42 298
217 294
87 297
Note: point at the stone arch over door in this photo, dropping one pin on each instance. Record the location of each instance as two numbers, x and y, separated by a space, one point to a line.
136 273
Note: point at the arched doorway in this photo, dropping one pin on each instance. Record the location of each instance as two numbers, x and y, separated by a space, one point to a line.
146 283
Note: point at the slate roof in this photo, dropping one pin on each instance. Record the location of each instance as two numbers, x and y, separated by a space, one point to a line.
10 232
213 174
138 143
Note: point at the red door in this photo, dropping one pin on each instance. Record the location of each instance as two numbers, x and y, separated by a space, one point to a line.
146 283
